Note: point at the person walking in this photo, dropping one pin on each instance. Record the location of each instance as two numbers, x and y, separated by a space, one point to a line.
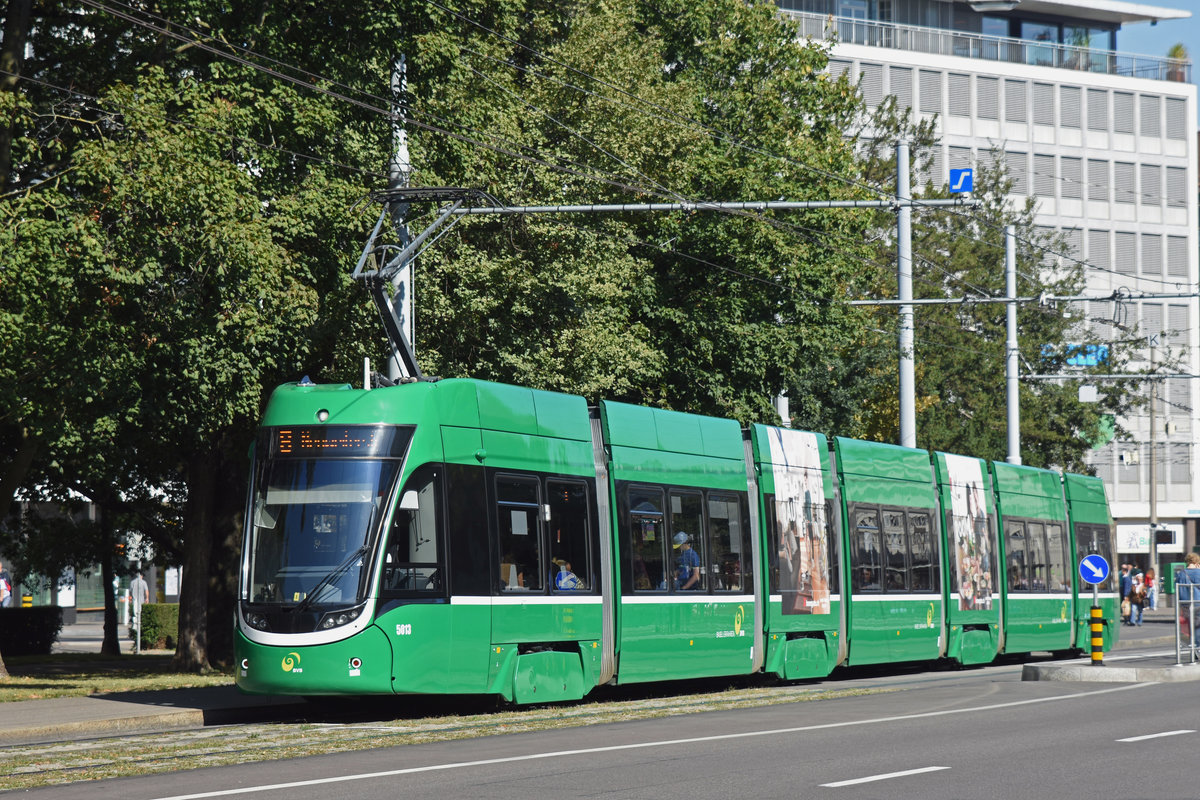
1187 592
6 588
1137 600
1126 586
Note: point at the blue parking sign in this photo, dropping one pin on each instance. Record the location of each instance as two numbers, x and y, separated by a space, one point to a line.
961 180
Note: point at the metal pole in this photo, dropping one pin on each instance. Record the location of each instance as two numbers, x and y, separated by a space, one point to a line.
399 172
1153 462
908 403
1012 364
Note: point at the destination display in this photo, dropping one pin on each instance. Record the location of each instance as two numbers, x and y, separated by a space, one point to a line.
344 441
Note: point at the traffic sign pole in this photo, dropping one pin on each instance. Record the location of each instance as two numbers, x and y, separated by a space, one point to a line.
1093 569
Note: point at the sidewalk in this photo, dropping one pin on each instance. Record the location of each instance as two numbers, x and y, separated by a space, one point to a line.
68 718
1156 631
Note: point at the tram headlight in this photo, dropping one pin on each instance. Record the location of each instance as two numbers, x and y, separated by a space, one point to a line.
336 619
257 621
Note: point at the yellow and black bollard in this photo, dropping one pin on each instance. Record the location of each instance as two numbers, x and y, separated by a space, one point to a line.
1097 637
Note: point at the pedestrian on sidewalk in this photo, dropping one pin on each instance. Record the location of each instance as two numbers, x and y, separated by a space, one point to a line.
1137 600
6 588
1126 586
1187 590
1151 590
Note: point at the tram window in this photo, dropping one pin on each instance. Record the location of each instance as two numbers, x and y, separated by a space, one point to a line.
730 561
1014 548
865 557
466 529
518 507
1096 539
687 516
1035 549
1056 548
923 553
647 538
895 539
570 564
830 520
412 557
774 552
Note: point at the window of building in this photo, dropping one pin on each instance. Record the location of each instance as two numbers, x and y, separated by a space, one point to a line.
987 98
1097 113
1124 118
1018 171
1042 37
1043 175
1014 101
959 94
1043 103
1151 185
1097 180
931 91
870 78
1125 244
1176 118
1069 101
1176 187
1152 259
1124 182
1098 255
1150 113
1177 256
1072 177
900 81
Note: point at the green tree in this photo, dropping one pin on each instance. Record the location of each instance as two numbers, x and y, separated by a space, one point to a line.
960 349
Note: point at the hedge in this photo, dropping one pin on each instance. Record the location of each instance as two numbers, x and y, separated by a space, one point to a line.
29 631
160 626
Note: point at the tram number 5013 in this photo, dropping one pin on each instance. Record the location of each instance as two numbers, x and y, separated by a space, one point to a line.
404 629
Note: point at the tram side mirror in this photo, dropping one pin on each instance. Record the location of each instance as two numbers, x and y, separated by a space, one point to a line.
409 501
545 512
265 516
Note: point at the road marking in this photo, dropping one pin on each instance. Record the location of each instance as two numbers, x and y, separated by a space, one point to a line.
884 777
1154 736
641 745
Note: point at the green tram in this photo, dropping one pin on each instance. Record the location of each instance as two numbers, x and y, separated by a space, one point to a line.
460 536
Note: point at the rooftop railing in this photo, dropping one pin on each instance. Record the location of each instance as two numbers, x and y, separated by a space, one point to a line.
990 48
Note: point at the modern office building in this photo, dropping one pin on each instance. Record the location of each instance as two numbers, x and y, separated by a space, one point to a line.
1105 141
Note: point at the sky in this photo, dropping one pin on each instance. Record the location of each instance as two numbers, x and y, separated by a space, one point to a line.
1153 40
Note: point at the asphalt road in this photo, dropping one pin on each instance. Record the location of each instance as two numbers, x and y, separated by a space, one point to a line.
973 734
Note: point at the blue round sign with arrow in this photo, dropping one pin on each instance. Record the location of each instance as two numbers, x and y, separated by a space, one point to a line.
1093 568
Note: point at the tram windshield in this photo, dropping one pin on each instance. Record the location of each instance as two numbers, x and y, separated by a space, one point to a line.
313 523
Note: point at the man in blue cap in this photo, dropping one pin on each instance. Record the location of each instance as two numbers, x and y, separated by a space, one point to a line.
687 563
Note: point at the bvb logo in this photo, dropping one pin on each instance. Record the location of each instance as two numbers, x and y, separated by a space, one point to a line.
737 621
290 661
929 616
1063 614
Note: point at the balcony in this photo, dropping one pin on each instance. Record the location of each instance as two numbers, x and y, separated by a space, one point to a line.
989 48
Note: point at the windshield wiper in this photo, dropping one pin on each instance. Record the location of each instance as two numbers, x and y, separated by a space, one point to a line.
329 578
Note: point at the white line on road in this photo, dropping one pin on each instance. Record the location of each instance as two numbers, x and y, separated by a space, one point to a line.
639 745
1154 736
870 778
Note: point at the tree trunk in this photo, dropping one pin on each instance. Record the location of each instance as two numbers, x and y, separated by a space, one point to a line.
228 505
16 468
111 645
3 669
191 652
12 56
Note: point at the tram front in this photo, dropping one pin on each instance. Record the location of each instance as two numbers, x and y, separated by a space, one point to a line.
319 497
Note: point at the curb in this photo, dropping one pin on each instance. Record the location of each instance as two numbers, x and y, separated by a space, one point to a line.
71 731
1086 673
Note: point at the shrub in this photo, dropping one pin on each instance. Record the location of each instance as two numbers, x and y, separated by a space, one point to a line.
29 631
160 626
